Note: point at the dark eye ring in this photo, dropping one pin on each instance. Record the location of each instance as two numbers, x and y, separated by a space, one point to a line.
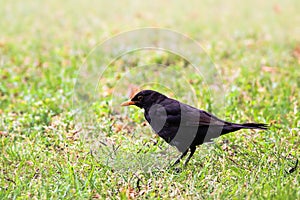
140 98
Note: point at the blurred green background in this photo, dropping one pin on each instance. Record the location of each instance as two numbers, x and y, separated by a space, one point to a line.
254 44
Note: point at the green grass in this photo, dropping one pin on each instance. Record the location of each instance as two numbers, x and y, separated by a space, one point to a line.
42 47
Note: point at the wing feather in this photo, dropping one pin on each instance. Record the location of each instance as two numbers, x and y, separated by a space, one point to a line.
190 116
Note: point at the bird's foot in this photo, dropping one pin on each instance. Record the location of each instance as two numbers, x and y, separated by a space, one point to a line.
174 169
177 170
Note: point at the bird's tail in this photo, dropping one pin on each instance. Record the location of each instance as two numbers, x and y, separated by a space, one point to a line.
231 127
254 126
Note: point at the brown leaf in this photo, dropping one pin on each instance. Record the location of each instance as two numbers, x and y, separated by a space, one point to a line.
130 193
269 69
277 9
118 127
133 89
96 196
296 53
2 43
30 163
2 133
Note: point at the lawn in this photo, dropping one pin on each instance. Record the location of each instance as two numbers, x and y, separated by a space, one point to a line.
63 134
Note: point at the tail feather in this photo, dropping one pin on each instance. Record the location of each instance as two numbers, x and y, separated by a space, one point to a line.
254 126
235 127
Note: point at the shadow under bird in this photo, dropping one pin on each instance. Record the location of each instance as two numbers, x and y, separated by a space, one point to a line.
181 125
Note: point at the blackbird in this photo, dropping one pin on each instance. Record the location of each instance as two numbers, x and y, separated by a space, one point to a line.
181 125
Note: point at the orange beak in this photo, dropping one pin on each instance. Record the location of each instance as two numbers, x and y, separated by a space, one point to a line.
128 103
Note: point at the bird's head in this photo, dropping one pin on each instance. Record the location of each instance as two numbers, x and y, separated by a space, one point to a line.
145 99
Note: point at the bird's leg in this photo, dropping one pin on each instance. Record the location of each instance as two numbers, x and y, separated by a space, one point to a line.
178 160
193 149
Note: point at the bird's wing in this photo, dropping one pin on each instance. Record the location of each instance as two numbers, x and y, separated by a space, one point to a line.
189 116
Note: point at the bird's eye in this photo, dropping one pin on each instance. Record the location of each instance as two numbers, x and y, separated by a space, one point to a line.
140 98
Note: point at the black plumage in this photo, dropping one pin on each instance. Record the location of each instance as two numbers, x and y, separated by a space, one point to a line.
181 125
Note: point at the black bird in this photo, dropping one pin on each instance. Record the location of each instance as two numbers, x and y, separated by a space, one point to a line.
181 125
